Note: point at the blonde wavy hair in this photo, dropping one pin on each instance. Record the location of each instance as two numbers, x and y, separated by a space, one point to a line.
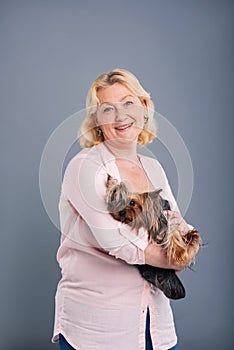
88 135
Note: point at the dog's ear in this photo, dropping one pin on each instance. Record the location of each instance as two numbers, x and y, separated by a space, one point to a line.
116 194
111 181
155 194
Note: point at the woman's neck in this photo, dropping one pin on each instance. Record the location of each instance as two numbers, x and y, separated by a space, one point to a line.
122 149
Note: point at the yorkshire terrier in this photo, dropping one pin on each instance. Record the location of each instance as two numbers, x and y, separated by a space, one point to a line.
146 210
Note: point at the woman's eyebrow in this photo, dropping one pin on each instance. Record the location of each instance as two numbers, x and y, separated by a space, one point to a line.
126 96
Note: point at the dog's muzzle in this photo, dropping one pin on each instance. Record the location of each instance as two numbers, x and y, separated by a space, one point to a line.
122 214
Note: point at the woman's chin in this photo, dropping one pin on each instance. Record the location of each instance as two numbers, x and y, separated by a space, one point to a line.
123 139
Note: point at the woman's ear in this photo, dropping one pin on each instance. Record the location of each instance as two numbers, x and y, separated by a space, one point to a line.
143 102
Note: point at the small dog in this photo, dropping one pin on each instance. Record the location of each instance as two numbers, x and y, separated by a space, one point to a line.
146 210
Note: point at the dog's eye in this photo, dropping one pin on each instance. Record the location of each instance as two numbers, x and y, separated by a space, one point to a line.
132 203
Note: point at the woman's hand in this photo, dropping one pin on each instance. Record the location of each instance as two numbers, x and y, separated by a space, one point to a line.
156 256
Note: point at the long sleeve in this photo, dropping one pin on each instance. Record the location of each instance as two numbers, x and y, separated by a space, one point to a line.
84 187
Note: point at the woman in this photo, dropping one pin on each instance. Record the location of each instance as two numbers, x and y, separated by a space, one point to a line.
102 302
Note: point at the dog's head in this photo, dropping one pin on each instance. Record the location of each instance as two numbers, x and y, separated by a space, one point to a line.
136 209
121 204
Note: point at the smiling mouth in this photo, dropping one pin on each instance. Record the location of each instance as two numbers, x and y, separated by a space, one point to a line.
123 127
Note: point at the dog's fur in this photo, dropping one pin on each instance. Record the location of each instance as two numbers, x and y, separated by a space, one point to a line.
146 210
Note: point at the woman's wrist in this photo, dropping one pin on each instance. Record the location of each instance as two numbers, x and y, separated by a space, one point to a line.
156 256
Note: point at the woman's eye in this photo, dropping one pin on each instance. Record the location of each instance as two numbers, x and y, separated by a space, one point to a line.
128 103
108 109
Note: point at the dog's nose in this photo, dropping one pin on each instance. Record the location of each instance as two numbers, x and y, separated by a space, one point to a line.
122 213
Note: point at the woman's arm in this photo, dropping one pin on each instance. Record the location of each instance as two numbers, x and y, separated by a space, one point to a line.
84 188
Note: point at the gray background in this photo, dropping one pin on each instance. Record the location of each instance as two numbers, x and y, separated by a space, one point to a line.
51 51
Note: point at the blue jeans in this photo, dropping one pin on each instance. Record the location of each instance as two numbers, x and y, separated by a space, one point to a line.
63 344
148 341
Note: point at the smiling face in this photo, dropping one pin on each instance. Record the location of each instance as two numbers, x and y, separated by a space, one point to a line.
120 114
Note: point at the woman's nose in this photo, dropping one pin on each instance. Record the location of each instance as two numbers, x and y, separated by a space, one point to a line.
119 112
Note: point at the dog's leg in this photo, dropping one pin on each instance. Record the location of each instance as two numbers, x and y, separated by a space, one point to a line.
164 279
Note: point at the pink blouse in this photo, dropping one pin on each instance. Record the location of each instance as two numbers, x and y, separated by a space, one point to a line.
101 299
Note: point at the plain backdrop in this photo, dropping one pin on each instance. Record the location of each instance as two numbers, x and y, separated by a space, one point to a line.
51 51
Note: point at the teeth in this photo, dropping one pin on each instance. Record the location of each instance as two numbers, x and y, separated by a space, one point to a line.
123 127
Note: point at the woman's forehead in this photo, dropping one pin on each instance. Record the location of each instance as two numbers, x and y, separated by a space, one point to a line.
113 93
